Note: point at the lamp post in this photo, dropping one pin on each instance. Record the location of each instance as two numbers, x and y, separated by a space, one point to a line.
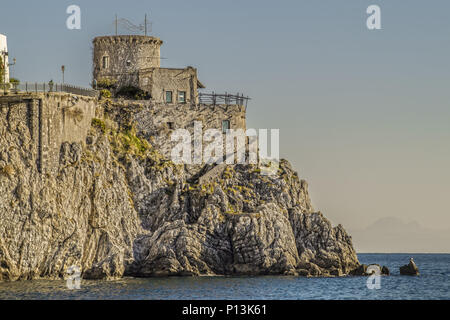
12 64
63 68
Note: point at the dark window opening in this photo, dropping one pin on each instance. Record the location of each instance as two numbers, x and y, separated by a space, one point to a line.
182 96
169 98
105 62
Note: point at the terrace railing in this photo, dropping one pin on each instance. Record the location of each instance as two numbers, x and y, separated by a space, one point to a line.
227 99
30 87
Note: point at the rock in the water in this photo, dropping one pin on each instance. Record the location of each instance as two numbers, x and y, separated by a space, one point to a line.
410 269
385 271
367 270
359 271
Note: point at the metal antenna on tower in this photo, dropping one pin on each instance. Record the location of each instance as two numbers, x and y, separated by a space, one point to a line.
116 24
127 24
145 24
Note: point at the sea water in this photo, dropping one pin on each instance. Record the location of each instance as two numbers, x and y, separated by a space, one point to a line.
433 283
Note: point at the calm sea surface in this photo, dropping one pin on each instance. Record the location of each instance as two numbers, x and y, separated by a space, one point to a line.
433 283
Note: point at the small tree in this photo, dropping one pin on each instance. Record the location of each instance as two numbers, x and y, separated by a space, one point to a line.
14 81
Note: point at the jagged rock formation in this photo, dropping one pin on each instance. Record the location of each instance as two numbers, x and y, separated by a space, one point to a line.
115 206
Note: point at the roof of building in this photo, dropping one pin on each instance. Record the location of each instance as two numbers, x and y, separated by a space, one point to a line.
127 38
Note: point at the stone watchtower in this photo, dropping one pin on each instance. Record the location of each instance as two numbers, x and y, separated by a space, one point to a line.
135 61
124 57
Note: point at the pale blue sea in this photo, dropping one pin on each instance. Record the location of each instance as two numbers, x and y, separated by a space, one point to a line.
433 283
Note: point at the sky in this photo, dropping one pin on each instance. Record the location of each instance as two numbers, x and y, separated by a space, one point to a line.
363 114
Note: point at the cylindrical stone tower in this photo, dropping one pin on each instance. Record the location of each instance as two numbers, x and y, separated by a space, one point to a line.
124 57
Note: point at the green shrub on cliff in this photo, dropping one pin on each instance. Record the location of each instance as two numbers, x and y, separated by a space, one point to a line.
131 142
106 83
131 92
105 94
97 123
126 142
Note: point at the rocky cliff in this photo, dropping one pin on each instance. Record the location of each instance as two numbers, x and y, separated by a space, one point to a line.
114 206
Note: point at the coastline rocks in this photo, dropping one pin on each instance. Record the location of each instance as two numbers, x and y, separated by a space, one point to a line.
385 271
410 269
367 270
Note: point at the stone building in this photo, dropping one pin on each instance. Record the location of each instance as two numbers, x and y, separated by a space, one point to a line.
4 58
175 103
134 60
55 118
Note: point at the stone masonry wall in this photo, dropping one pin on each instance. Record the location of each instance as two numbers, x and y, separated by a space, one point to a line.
54 118
127 56
51 119
158 121
159 80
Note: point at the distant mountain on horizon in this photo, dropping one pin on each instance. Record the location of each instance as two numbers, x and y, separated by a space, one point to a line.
394 235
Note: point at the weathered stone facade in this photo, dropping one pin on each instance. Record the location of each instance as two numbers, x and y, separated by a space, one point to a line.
135 61
122 57
50 119
157 122
178 83
54 118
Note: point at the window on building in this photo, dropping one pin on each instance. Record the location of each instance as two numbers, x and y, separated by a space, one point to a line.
145 81
105 62
182 96
171 125
225 125
128 63
169 98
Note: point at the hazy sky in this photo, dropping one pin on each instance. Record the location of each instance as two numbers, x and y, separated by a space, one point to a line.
364 115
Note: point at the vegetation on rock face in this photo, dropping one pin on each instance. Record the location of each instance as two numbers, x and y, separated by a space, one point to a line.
127 142
124 141
105 94
107 84
100 124
131 92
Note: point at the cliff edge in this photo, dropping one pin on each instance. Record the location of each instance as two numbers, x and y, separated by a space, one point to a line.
114 206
